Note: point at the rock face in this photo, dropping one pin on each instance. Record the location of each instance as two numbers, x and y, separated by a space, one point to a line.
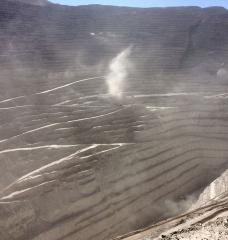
214 192
77 163
216 229
163 39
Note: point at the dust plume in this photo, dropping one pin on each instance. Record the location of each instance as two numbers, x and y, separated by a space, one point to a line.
118 71
173 207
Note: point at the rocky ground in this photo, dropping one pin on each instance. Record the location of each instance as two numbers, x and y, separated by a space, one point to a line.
213 230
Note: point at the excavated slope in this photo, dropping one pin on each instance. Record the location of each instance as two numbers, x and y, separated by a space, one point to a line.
77 164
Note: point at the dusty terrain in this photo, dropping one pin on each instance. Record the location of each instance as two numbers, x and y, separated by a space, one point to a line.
207 218
216 230
111 119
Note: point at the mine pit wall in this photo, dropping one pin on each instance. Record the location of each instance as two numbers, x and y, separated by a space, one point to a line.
111 189
107 192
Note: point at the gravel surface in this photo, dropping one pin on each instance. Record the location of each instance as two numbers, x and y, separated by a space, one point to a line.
213 230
